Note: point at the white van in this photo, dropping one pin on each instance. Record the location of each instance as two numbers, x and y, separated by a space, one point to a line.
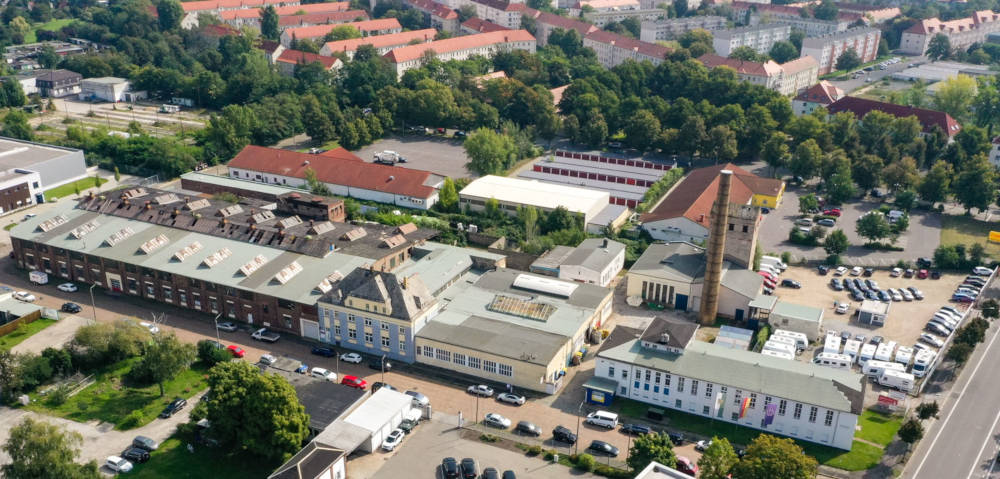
903 355
801 340
836 361
875 368
777 354
922 363
603 419
832 344
775 261
782 347
767 268
851 348
898 380
866 354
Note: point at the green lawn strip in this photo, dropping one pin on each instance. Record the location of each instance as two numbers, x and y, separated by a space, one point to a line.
68 189
173 460
23 332
878 428
957 229
51 25
107 400
862 456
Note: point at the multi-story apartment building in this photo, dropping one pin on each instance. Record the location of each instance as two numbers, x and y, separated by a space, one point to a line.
438 14
873 13
601 19
213 7
58 83
382 43
460 48
788 78
961 32
756 13
250 17
325 18
502 12
382 26
664 366
820 95
546 23
759 37
670 29
613 49
826 49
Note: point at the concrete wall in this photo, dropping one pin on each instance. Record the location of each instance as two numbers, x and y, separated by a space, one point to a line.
585 275
810 328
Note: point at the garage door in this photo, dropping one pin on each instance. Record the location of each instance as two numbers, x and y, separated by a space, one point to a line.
310 329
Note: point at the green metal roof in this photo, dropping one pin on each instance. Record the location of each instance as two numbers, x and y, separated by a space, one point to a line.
797 311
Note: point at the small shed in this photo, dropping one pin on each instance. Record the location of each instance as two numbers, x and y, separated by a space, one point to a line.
873 312
799 318
734 338
379 415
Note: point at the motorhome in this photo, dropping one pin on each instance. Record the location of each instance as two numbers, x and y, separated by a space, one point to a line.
884 351
851 348
782 347
801 340
836 361
897 380
875 368
903 355
867 353
778 354
832 344
922 362
773 260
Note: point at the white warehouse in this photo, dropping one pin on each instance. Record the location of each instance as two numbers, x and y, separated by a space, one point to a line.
511 193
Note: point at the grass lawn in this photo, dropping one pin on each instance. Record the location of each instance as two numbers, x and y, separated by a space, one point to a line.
957 229
862 456
51 25
172 460
23 332
9 227
107 400
68 189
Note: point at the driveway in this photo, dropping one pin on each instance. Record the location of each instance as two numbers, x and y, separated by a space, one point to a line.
437 154
53 336
922 237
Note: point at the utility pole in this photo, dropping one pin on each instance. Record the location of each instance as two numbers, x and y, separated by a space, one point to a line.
92 302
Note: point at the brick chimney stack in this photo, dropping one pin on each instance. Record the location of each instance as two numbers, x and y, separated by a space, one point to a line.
715 252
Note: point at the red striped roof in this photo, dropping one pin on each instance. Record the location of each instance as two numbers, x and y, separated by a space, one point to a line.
287 10
413 52
297 56
928 118
315 31
380 41
321 18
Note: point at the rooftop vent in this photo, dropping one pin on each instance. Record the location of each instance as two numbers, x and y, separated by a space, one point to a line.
186 252
196 204
119 236
321 227
84 229
290 221
406 229
253 265
394 241
263 216
354 234
288 272
327 284
229 211
217 257
166 199
664 338
154 244
134 193
51 223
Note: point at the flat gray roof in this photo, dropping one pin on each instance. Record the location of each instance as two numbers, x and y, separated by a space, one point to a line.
797 311
553 258
498 338
23 154
595 253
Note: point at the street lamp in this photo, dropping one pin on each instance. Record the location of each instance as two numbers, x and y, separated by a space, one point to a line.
92 302
579 411
477 410
383 370
216 321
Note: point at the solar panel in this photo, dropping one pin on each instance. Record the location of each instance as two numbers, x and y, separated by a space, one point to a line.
520 307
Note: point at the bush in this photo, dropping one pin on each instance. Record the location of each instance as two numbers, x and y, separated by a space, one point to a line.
534 450
134 419
786 257
833 260
797 237
211 355
59 395
488 438
928 410
586 462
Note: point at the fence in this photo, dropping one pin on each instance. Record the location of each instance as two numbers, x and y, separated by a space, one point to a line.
26 319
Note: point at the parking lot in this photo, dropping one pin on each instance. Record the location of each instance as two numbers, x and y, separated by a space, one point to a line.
920 239
906 320
434 153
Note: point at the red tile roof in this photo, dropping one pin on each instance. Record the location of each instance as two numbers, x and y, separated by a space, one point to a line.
287 10
766 69
335 167
799 64
437 9
559 21
413 52
627 43
482 26
297 56
693 197
207 5
321 18
219 30
268 46
502 5
823 93
315 31
935 25
380 41
928 118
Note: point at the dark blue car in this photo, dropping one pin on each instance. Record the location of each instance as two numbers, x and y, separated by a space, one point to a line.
325 352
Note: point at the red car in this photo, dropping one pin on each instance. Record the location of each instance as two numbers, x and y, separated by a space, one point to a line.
832 212
922 274
766 275
354 382
237 351
686 466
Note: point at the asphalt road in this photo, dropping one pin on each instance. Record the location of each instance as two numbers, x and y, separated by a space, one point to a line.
876 75
964 442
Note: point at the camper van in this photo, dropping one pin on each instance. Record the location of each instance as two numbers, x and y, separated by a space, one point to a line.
603 419
884 351
875 368
922 362
836 361
903 355
867 353
801 340
777 354
784 340
851 348
782 347
897 380
832 344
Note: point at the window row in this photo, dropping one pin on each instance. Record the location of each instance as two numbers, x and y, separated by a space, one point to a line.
472 362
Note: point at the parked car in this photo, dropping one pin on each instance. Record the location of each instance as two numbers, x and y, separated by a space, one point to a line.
525 427
842 308
982 270
496 420
135 455
840 271
791 283
686 466
807 222
325 352
868 272
922 274
237 351
908 273
354 382
700 446
481 390
71 308
676 438
449 468
418 398
379 363
490 473
837 284
227 326
872 284
907 295
267 359
937 328
832 212
896 295
856 295
379 385
896 272
856 271
876 340
822 269
176 405
563 434
145 443
931 339
393 439
603 448
351 358
67 287
322 373
636 429
118 464
962 298
510 398
827 222
935 274
25 296
469 468
884 295
508 474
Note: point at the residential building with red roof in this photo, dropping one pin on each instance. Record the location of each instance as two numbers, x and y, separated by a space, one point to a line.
684 214
602 6
214 7
288 59
327 18
382 43
928 118
441 16
342 172
961 33
382 26
460 48
826 49
877 14
788 78
819 95
476 25
502 12
546 23
251 17
759 37
790 15
602 19
613 49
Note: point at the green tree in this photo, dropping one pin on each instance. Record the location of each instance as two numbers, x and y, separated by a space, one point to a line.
641 129
769 457
775 151
529 221
40 450
902 174
489 152
211 354
48 58
560 219
692 135
976 185
808 203
958 352
747 54
873 226
935 185
466 12
783 52
169 13
939 47
317 124
807 159
911 431
269 23
342 32
927 410
257 411
20 28
991 309
15 125
987 104
11 376
848 60
448 196
867 171
721 143
840 186
651 447
826 10
955 96
165 358
316 186
836 242
118 175
717 460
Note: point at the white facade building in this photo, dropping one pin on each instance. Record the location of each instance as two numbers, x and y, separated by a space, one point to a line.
105 88
595 261
961 33
461 48
670 29
759 37
511 193
613 49
826 49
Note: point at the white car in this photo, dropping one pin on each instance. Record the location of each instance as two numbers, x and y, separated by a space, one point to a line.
25 296
267 359
982 271
702 445
510 398
150 326
481 390
917 294
840 271
496 420
118 464
856 271
842 308
931 339
393 439
67 287
896 295
227 326
896 272
351 358
907 295
323 374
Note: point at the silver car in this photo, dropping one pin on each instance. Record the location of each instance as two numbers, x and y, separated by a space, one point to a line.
496 420
510 398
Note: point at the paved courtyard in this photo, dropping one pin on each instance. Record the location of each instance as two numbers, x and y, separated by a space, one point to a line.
444 156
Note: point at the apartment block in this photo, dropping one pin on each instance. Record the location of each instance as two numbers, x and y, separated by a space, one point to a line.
670 29
460 48
759 37
383 26
826 49
788 78
613 49
961 33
